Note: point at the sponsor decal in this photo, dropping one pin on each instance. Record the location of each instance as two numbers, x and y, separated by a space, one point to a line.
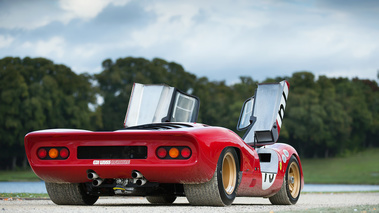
284 158
267 180
283 103
286 153
110 162
117 162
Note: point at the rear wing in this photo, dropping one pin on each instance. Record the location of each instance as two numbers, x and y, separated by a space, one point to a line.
160 103
262 114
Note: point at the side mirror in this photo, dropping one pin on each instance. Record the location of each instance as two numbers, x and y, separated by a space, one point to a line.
246 117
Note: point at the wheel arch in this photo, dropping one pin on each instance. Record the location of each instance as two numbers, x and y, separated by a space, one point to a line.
280 147
240 158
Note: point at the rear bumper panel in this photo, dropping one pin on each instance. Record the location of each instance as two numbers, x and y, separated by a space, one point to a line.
196 169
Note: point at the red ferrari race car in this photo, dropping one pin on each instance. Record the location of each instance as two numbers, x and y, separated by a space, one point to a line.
162 153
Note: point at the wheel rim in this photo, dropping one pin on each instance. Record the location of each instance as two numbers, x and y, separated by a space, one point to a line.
229 173
294 180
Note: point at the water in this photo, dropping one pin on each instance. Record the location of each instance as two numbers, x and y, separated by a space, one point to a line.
22 187
39 187
339 188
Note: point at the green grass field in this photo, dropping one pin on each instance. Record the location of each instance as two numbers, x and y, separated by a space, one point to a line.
27 175
15 196
361 168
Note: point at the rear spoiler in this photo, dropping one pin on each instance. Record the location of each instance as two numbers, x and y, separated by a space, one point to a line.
262 114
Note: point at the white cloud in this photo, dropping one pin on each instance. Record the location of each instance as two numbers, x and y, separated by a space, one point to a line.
55 47
5 41
29 15
234 37
26 14
217 39
86 9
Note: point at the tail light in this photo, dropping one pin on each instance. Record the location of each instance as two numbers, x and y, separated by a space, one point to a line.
64 153
186 152
42 153
174 152
161 152
53 153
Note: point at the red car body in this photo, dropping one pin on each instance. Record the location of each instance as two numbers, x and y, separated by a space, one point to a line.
256 177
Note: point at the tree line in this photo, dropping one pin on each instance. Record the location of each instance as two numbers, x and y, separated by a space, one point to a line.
324 116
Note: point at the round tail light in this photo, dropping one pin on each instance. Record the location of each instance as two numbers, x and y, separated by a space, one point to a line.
42 153
186 152
174 152
64 153
161 152
53 153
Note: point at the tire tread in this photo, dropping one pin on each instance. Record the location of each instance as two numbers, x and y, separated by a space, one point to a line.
161 199
282 197
69 194
204 193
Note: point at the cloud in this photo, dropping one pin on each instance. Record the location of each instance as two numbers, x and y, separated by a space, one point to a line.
218 39
25 14
29 15
86 9
52 48
5 41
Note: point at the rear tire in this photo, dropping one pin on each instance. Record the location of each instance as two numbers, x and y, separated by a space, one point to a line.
221 189
161 199
69 194
289 193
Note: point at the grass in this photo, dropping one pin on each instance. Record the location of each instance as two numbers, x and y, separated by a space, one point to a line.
13 196
359 208
361 168
26 175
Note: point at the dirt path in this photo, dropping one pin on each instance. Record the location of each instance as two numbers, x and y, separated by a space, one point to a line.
137 204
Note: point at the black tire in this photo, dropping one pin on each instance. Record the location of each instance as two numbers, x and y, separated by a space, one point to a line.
161 199
69 194
221 189
289 193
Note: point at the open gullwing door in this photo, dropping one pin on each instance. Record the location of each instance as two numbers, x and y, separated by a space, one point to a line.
160 103
262 114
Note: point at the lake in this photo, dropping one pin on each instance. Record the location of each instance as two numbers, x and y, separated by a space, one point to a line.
39 187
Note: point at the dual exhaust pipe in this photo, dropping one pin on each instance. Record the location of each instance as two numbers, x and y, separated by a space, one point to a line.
96 180
137 176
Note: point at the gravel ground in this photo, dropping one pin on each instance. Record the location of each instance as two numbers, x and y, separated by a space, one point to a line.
307 201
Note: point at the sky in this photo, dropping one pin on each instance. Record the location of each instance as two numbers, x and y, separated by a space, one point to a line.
218 39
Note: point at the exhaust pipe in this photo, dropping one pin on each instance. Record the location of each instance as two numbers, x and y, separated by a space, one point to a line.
97 182
138 178
137 175
140 182
92 176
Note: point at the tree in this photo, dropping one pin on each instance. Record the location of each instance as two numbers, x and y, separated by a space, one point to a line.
38 94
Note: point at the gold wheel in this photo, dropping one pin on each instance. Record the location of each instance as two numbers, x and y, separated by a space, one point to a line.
229 173
294 179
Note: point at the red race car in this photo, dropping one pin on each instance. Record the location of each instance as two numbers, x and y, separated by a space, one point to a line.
162 153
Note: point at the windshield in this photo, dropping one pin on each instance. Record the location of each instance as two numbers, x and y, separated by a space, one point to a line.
183 108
